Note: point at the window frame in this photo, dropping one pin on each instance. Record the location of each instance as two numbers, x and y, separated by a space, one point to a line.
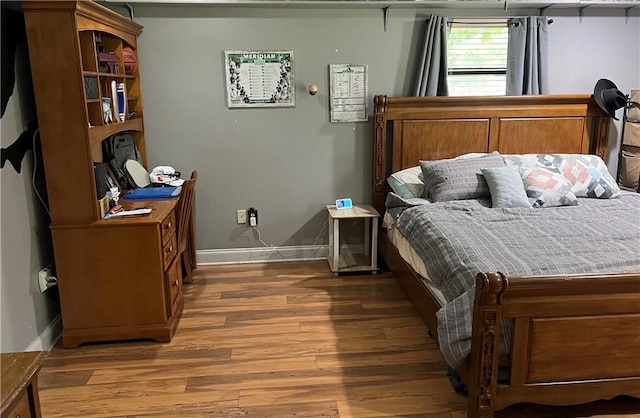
478 71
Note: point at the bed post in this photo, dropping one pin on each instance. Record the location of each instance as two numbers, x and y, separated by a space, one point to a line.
485 347
379 148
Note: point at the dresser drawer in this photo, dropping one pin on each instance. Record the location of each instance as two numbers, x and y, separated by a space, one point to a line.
174 285
168 227
22 409
169 251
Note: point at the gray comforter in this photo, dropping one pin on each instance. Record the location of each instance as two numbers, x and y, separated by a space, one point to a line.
458 239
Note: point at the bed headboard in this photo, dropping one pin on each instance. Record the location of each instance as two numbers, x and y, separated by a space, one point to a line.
409 129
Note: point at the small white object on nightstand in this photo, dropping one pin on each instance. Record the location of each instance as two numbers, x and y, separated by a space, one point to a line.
348 261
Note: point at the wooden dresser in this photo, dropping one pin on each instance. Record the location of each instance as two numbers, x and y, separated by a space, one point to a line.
120 278
19 385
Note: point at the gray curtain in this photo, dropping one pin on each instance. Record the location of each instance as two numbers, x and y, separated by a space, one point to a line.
527 56
431 79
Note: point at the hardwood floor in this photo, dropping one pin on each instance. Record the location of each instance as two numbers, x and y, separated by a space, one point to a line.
281 340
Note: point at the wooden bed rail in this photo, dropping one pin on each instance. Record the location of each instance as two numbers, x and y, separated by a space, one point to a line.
571 334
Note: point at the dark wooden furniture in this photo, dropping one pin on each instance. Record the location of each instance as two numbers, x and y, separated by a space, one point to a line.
193 256
576 338
118 278
185 223
19 385
629 154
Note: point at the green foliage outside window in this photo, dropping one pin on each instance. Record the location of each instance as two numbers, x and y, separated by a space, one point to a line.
477 60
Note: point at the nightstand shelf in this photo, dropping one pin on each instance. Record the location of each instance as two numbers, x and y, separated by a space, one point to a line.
343 260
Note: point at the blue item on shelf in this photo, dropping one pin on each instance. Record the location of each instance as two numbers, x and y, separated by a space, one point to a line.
154 193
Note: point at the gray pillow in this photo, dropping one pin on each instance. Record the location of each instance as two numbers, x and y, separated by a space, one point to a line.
446 180
506 187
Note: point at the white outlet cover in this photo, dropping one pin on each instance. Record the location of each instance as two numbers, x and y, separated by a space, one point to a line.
241 215
42 278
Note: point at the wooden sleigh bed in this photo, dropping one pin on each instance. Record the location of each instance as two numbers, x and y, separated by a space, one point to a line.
576 338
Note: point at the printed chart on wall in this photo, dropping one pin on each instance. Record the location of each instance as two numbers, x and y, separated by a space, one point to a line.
348 92
259 78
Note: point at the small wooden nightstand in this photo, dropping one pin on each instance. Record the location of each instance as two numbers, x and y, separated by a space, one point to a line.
348 262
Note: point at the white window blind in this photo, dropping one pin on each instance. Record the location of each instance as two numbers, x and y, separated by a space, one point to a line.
477 58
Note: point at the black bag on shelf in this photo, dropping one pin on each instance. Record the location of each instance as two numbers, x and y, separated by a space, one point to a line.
116 150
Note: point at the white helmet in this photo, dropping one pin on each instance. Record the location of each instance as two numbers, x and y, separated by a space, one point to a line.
165 175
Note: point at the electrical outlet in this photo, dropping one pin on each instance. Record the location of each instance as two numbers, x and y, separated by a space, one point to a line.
241 215
46 279
253 216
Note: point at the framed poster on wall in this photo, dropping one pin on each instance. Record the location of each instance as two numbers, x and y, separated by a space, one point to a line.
259 78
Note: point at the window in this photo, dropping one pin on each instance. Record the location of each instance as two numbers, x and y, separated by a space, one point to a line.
477 57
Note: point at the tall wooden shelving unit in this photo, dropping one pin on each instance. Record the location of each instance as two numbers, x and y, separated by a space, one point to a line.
118 279
629 155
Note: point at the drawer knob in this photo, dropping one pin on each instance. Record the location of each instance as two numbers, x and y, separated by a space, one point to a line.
170 248
176 282
169 225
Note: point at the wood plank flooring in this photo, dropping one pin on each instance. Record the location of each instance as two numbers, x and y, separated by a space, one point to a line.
276 340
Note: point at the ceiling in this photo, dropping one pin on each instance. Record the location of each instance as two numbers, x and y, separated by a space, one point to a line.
478 4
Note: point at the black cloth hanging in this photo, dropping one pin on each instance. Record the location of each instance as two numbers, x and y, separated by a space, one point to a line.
12 35
16 151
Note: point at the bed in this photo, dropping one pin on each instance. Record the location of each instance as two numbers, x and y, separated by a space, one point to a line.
573 338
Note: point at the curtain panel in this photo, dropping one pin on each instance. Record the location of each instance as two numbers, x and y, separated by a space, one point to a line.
431 79
527 56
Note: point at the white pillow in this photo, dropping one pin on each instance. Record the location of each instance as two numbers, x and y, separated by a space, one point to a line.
472 155
407 183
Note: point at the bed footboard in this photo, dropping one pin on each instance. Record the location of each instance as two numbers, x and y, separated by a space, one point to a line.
575 339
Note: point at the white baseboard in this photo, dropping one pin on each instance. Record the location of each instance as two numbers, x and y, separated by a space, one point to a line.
49 337
266 255
53 332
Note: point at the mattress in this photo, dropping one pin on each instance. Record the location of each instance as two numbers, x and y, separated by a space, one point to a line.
458 239
412 258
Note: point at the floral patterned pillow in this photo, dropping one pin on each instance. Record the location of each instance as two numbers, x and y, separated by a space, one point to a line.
588 174
547 188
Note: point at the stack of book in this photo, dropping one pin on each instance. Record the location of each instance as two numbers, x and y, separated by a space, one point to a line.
115 107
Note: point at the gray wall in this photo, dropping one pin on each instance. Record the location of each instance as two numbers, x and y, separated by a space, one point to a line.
289 163
25 313
598 47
